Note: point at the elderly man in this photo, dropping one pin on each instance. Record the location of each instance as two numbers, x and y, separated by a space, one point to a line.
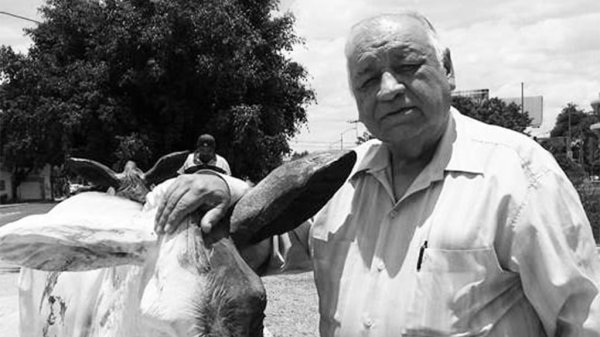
446 226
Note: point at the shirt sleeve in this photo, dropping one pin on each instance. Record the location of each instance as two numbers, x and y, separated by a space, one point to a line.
554 252
188 161
224 164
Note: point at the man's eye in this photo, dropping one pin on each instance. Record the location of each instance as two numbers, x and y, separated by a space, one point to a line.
369 82
408 68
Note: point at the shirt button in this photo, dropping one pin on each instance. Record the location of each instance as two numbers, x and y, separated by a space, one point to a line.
380 265
368 323
393 214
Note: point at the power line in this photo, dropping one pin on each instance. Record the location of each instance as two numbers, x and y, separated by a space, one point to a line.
20 17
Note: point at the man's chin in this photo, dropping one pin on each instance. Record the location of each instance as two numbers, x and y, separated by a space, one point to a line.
399 131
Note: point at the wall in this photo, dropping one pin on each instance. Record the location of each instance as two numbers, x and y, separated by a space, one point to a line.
5 187
37 186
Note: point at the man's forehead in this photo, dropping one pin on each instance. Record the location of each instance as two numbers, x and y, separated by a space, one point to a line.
401 30
402 39
392 22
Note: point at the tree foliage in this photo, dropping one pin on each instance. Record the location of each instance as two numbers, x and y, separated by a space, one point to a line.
493 111
579 119
572 131
366 136
575 123
118 79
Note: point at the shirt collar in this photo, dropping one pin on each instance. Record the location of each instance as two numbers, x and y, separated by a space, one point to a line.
455 152
372 156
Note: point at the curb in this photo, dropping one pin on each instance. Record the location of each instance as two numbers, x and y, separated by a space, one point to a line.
21 204
12 205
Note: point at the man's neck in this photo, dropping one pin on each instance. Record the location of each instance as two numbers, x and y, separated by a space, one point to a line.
203 159
407 162
404 171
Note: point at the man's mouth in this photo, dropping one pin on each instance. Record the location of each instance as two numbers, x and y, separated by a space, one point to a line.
401 111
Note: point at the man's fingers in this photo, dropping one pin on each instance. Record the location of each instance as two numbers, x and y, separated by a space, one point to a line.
186 204
165 213
160 210
187 194
212 217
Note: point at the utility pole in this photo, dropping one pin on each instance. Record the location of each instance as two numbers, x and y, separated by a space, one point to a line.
522 98
355 122
569 151
342 137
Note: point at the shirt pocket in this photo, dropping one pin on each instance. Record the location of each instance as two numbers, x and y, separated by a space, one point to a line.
450 287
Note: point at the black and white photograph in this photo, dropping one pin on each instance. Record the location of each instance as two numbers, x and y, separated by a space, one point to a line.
299 168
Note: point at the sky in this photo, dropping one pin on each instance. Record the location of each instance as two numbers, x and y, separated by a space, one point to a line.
551 46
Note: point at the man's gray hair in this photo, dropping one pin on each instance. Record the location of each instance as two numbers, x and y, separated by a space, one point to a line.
374 22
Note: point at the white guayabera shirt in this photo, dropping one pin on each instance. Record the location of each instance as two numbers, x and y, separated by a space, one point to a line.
490 240
193 160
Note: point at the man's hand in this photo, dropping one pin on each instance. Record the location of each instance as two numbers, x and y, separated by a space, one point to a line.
190 192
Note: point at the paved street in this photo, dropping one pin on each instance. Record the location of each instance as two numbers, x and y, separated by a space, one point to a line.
10 213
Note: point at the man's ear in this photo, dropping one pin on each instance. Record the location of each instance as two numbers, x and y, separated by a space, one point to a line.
449 68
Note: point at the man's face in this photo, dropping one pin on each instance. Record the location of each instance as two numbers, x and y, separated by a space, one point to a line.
402 90
206 153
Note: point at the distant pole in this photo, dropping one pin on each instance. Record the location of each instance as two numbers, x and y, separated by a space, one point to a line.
522 98
355 122
342 137
1 122
569 152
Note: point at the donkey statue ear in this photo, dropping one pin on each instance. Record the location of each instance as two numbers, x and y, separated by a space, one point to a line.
166 167
289 195
93 171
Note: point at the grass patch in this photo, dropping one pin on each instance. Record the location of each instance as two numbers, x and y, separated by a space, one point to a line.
292 305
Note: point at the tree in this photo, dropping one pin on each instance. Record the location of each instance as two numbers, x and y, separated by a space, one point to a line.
575 123
130 78
579 120
493 111
29 136
572 129
364 137
297 155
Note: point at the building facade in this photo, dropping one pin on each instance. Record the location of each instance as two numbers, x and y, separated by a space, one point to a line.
37 186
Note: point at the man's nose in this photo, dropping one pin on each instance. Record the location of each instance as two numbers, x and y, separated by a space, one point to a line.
390 87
